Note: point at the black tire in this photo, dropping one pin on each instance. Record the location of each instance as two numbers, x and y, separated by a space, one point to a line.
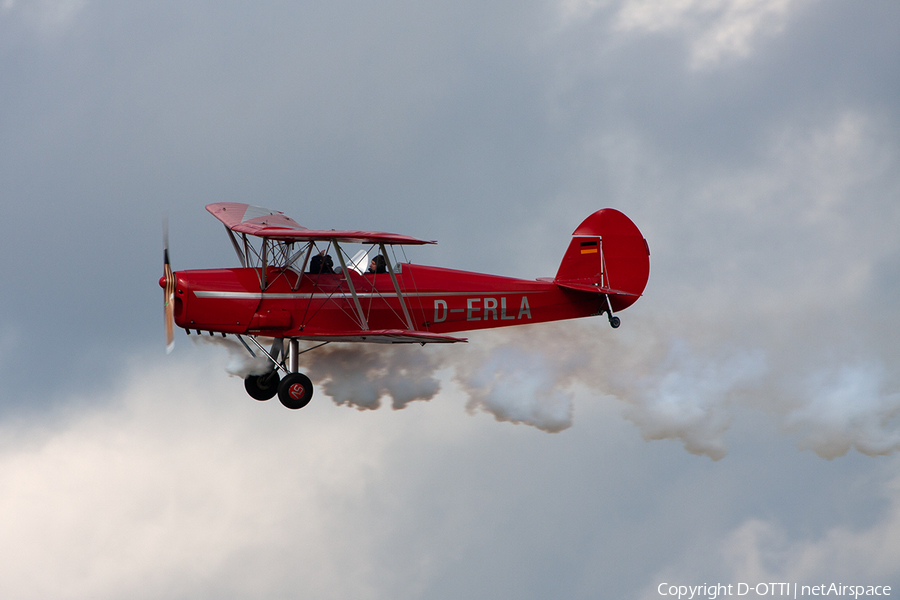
262 387
615 322
295 390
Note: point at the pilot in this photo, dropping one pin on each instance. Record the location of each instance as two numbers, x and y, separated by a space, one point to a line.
378 265
321 263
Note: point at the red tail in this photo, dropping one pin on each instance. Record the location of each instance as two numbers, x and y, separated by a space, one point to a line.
607 255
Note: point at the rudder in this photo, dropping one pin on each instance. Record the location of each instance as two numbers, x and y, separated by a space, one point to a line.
607 255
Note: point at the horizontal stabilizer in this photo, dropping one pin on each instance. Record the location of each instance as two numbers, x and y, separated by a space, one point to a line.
380 336
592 288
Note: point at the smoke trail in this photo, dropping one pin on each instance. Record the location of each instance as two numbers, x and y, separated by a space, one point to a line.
361 375
520 387
847 408
513 383
669 391
689 399
671 388
680 388
353 375
240 363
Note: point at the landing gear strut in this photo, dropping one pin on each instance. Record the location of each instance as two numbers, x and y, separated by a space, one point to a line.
614 321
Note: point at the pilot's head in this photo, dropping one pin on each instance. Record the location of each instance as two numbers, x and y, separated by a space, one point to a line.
378 265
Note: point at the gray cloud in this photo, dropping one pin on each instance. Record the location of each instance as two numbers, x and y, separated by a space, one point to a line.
755 144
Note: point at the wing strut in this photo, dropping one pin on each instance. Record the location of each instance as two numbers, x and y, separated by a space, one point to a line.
237 248
362 315
390 268
262 269
308 249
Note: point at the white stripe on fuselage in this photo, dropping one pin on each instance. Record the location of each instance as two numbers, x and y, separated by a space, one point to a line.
325 295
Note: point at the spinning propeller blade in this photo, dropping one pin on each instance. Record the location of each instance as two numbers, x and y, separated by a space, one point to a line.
169 292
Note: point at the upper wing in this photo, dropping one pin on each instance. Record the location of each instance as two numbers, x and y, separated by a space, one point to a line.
254 220
262 222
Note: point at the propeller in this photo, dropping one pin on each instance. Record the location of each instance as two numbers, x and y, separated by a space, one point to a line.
169 298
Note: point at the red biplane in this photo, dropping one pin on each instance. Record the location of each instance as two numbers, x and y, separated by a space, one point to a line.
289 288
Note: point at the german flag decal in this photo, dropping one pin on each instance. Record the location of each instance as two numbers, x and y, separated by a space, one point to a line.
589 247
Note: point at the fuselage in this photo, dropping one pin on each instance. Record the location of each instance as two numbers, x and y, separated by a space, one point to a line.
437 300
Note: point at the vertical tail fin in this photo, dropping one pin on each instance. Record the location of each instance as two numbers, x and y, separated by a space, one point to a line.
607 255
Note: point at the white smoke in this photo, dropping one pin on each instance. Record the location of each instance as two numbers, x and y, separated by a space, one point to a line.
240 362
361 375
847 408
352 375
521 387
689 399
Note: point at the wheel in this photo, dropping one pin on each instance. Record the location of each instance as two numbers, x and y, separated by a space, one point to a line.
615 322
295 390
262 387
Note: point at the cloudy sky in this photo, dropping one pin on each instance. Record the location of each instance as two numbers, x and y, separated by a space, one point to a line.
743 425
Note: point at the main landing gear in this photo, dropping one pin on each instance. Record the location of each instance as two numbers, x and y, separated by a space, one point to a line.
294 390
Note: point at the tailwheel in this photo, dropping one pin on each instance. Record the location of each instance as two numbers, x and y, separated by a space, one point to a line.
295 390
614 321
262 387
